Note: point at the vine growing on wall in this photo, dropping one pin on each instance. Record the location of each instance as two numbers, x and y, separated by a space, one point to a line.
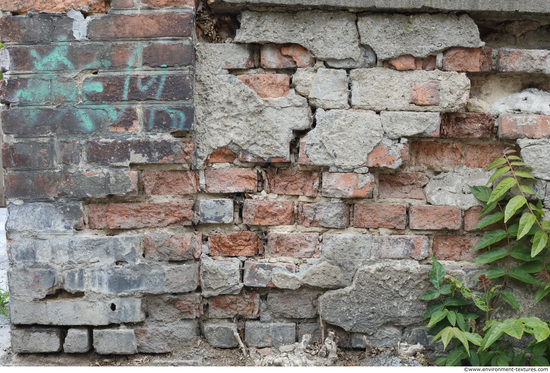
517 248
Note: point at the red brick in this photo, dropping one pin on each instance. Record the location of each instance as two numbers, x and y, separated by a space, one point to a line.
268 212
292 182
283 57
468 59
231 180
31 30
174 307
523 60
425 94
435 217
467 125
481 155
30 155
347 185
170 182
140 215
454 247
120 26
48 6
168 54
437 155
138 88
230 306
267 85
235 244
294 245
428 63
168 3
402 185
402 63
123 4
259 274
221 155
404 247
380 216
393 156
515 126
172 247
168 119
323 214
471 219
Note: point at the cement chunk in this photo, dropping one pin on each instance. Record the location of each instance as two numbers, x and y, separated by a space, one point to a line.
306 28
394 35
115 341
77 341
382 89
325 88
35 340
535 153
530 101
398 124
220 276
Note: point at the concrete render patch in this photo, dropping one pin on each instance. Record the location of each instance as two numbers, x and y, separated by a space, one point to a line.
530 101
535 153
527 6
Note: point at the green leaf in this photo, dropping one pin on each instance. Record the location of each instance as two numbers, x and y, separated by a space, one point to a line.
453 302
432 309
522 253
541 293
501 189
519 360
430 294
437 317
532 267
498 173
488 208
492 335
513 327
497 162
489 219
492 255
539 242
527 189
510 298
480 303
451 316
538 328
474 338
445 289
445 335
461 322
539 361
524 174
474 359
482 193
459 334
513 205
522 275
539 349
437 273
490 238
441 360
525 223
455 357
494 272
520 164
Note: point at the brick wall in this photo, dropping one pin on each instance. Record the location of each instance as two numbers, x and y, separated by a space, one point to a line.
174 173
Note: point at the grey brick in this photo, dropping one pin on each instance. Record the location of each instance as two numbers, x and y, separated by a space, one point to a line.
258 334
163 339
77 341
115 341
33 217
216 211
35 340
221 335
294 306
220 276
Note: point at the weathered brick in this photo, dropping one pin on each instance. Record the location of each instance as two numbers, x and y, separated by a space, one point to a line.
115 341
323 214
454 247
269 334
221 155
436 155
468 59
69 152
292 306
215 211
38 91
435 217
172 247
516 126
292 182
139 215
294 245
170 182
402 63
168 3
404 247
426 93
174 307
164 339
251 158
120 26
481 155
267 85
220 276
63 6
29 217
347 185
235 244
221 335
259 274
380 216
274 56
42 28
268 212
523 60
36 340
35 282
402 185
77 341
389 156
471 219
32 154
467 125
230 306
158 87
231 180
168 119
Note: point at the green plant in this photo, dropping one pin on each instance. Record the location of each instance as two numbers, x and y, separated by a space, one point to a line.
4 302
519 245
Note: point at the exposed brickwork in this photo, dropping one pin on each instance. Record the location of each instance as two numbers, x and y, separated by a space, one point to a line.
235 244
268 213
380 216
435 217
292 182
294 245
467 125
267 85
231 180
454 247
402 185
436 155
468 59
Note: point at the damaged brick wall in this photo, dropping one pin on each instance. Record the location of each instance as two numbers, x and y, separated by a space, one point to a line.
177 171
